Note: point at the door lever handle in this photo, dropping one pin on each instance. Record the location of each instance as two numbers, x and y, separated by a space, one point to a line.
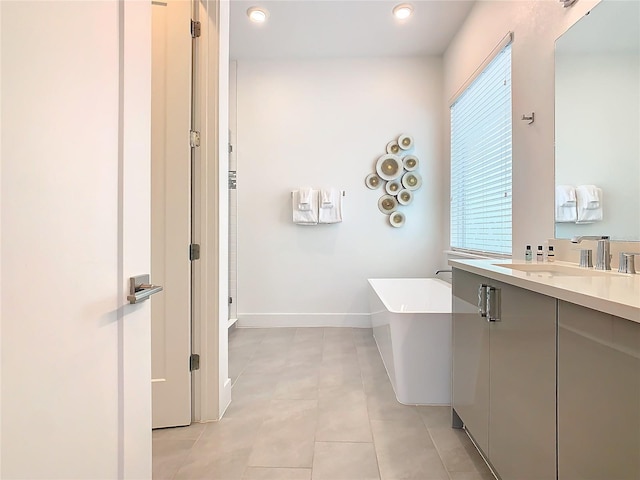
140 289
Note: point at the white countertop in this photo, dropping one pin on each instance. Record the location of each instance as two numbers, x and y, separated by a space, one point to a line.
610 292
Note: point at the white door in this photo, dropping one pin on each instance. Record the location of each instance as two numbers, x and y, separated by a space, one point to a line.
75 151
170 212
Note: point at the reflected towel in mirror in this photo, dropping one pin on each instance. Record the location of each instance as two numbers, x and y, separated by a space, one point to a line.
566 204
589 203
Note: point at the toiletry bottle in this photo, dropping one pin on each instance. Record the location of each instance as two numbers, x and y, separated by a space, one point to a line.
550 254
528 254
540 254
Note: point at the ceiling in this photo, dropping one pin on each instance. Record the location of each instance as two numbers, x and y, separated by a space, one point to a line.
299 29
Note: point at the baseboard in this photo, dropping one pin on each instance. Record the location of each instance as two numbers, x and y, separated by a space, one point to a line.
268 320
225 397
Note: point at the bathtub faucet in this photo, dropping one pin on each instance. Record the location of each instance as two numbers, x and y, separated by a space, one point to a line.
444 271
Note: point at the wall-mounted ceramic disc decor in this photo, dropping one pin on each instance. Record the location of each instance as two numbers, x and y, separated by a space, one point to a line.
410 163
393 187
396 219
397 172
412 181
389 167
373 181
393 147
405 196
405 142
387 204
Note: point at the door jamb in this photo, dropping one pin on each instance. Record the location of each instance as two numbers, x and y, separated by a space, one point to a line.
211 391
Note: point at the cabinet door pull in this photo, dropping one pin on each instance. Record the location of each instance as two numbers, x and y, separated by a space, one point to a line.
493 304
482 300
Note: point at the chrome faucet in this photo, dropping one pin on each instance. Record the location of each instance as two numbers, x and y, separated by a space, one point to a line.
603 255
626 263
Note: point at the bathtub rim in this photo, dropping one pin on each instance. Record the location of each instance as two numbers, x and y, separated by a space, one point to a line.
403 312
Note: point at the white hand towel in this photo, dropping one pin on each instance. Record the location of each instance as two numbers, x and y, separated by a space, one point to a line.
332 214
325 198
565 196
591 193
304 202
589 203
304 216
566 204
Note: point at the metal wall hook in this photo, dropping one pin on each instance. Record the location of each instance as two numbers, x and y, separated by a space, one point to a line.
530 118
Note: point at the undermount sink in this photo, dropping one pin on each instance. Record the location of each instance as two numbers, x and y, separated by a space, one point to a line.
549 269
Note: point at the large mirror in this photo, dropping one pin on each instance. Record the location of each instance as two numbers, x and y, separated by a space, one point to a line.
597 118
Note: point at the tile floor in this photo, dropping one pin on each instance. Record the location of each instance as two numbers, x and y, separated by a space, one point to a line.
315 404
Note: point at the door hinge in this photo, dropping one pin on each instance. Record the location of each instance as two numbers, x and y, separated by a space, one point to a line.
194 362
233 180
230 300
230 148
196 28
194 138
194 251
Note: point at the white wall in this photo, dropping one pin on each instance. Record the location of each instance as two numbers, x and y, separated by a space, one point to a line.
536 25
597 125
324 123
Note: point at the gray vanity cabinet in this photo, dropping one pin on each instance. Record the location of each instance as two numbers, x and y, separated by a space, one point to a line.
470 336
504 376
598 395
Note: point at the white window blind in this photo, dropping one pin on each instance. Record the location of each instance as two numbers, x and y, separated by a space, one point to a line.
481 161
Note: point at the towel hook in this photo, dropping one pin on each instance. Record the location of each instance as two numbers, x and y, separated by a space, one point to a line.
531 117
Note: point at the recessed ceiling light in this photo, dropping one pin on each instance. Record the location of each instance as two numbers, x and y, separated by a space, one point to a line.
402 11
257 14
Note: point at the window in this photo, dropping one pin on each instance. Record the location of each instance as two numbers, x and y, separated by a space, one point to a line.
481 160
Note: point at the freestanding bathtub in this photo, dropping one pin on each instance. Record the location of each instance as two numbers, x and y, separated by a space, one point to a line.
411 319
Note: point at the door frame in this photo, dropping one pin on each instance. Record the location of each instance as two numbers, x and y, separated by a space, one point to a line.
211 386
171 212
